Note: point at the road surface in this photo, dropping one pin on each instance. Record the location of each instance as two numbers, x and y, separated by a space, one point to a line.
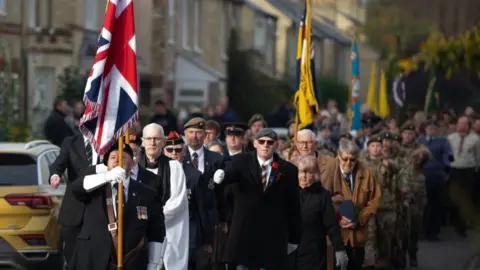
451 252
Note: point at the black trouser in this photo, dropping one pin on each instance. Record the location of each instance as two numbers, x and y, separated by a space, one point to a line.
461 197
433 210
69 235
356 256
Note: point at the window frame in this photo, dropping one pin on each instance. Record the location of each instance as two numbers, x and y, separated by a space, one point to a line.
185 25
197 21
171 22
92 21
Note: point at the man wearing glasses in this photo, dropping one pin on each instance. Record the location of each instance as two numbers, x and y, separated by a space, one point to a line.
353 184
171 188
266 221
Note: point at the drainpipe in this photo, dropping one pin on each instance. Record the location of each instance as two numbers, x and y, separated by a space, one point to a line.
24 61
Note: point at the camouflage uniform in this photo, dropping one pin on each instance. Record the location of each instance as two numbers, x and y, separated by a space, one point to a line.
418 154
381 228
398 159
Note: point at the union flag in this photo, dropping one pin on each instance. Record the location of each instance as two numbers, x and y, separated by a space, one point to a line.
111 93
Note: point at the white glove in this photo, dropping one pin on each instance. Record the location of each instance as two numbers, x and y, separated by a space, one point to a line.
116 174
291 248
101 168
154 266
219 176
342 259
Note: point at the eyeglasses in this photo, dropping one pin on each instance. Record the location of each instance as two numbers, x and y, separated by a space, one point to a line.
305 142
348 159
268 142
150 139
176 150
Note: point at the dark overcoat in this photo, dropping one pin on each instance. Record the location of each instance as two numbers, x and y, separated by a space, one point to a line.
263 222
94 249
319 220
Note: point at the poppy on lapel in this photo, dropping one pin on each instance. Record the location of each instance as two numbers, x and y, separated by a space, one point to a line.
142 213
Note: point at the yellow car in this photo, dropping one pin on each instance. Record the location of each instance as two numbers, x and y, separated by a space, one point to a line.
29 234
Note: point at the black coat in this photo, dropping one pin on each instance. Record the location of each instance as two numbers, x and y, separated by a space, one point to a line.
319 220
213 200
72 158
263 222
201 231
161 183
56 129
94 249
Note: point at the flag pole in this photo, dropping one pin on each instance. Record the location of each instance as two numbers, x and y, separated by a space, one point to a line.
120 208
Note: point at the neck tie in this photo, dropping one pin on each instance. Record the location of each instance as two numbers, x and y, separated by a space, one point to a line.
347 179
460 147
88 152
264 176
195 160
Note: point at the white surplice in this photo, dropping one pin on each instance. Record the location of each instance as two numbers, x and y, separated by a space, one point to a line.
176 220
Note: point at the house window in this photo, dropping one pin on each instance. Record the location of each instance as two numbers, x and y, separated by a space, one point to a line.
197 19
264 37
223 31
171 21
291 52
185 26
3 7
90 15
259 33
32 14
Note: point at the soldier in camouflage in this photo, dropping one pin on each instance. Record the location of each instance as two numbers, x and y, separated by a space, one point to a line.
395 156
418 155
385 172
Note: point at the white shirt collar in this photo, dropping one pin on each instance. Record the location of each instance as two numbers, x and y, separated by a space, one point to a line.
199 151
234 153
134 172
266 163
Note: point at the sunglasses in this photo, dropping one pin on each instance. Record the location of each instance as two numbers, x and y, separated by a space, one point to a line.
176 150
268 142
348 159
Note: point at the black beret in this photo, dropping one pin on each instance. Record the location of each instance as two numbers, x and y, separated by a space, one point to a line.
126 150
267 132
386 135
322 127
397 137
374 138
408 125
346 135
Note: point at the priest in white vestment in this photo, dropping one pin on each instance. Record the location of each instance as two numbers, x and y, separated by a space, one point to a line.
175 206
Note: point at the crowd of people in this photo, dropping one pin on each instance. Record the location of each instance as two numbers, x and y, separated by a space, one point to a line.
232 195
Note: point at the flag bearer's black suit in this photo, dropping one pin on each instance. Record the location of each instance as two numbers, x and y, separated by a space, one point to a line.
95 249
72 158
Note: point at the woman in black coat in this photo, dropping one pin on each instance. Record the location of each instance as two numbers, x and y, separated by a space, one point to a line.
319 220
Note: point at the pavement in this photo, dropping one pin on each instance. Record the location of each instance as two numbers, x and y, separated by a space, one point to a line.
451 252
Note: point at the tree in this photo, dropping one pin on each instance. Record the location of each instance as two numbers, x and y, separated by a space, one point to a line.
72 84
248 89
391 30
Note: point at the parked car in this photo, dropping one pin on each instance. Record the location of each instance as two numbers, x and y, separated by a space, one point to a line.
29 233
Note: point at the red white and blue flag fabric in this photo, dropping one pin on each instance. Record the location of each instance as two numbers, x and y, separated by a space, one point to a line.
111 93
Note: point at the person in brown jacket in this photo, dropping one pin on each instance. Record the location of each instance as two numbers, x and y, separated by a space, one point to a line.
348 179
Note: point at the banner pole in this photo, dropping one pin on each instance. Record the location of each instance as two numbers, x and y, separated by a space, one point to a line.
120 208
